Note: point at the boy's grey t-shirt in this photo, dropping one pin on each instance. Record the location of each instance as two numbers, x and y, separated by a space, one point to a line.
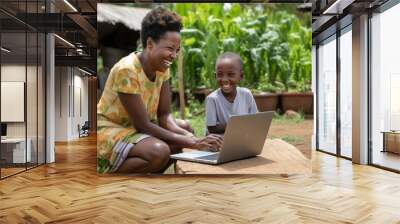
219 109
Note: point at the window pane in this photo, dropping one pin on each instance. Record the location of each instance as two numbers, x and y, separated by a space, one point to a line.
386 87
346 93
14 148
41 98
31 96
327 96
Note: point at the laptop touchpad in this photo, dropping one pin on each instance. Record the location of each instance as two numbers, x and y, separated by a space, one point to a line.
195 154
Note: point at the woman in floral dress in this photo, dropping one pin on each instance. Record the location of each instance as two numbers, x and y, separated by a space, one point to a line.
136 132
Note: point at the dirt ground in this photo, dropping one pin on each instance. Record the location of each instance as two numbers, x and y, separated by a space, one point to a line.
297 134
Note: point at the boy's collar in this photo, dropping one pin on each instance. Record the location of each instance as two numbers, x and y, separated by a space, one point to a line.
222 93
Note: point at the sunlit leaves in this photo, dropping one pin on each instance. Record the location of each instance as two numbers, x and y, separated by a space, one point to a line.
273 41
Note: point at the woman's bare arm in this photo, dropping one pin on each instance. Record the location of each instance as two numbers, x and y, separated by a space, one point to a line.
165 118
137 113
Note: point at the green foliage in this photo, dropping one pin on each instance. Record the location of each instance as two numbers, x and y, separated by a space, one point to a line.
198 125
99 63
194 107
195 115
274 41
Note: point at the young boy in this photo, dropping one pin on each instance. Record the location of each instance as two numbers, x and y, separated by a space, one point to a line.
229 99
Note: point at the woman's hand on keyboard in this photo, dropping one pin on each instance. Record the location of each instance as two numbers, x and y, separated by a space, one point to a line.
210 142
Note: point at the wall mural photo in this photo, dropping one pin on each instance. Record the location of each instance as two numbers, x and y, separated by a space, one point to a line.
204 89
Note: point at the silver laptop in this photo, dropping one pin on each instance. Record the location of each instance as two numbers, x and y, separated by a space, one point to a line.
244 137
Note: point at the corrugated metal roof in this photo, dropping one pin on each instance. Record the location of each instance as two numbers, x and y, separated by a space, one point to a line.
131 17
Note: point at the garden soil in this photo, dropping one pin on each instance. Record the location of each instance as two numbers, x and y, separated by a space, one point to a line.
301 132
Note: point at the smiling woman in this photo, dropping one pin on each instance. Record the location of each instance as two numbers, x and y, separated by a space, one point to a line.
136 131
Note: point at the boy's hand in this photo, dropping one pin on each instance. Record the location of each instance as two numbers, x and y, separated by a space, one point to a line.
210 142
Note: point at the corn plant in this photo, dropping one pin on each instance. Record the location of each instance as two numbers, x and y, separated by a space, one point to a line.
274 42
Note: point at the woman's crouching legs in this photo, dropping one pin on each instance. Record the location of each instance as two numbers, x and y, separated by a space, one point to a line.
150 155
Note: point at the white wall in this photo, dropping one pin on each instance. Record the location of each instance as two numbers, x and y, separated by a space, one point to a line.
80 109
34 125
13 73
71 94
61 103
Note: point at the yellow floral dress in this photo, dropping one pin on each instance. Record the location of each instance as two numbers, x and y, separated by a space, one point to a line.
115 133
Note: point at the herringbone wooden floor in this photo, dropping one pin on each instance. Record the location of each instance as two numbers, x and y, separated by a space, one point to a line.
70 191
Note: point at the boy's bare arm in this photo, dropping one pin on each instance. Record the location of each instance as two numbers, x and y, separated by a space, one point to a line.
217 129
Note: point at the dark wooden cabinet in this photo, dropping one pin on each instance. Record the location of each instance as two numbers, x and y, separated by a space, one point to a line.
391 141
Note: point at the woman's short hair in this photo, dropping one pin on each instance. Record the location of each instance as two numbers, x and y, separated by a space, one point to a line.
157 22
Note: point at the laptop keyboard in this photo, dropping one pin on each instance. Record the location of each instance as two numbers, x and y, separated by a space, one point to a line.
209 157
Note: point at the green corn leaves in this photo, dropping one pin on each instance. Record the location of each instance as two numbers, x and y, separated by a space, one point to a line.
273 40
